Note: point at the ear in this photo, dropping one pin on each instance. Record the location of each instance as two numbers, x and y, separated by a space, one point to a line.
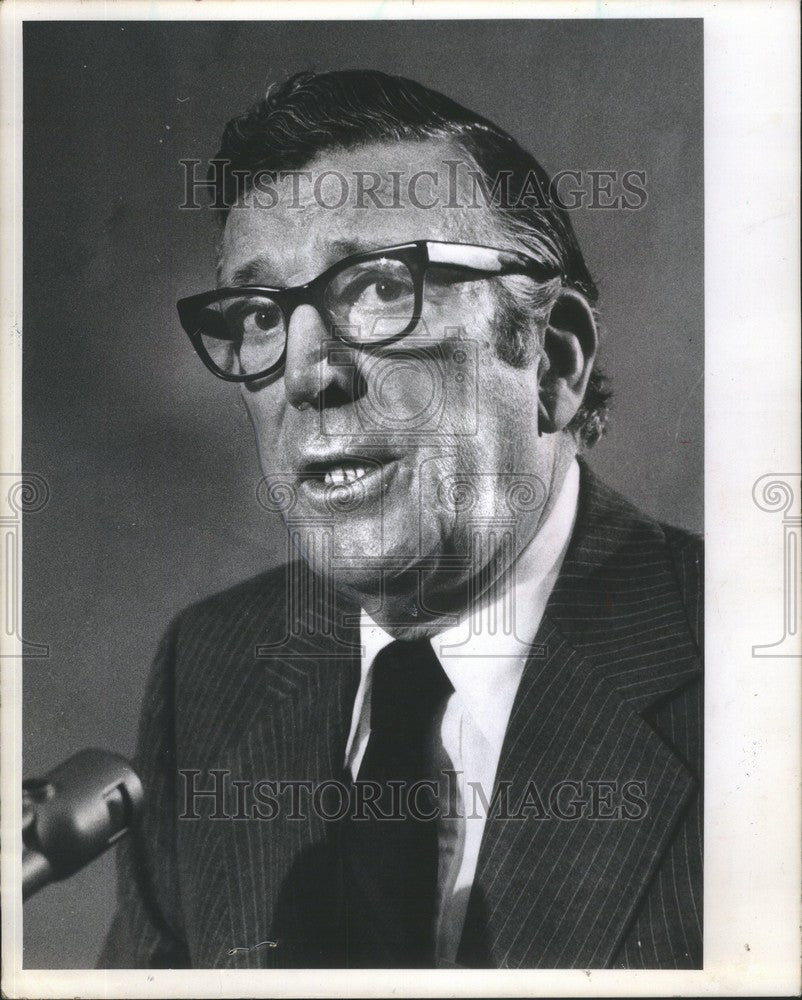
570 347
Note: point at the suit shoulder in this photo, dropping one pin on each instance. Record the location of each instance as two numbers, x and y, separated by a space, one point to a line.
687 553
682 540
687 550
216 672
613 535
261 596
606 514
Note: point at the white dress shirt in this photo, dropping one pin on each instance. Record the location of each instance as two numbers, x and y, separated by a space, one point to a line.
483 657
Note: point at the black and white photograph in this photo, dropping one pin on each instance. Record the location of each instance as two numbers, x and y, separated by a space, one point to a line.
370 408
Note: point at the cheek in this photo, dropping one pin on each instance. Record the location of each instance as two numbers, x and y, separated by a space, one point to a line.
264 411
418 391
503 456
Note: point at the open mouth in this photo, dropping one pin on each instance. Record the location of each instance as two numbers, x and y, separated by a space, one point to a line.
345 473
340 474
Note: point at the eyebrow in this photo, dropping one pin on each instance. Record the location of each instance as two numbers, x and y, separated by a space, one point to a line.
346 247
252 271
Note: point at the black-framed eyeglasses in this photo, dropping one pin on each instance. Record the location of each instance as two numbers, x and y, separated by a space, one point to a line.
367 300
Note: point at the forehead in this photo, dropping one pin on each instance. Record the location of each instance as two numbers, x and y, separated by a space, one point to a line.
344 201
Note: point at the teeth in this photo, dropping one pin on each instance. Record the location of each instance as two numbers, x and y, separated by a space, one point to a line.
334 477
341 475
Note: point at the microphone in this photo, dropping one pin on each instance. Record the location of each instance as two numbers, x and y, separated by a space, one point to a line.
75 813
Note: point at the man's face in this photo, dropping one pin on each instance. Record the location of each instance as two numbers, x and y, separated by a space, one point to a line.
413 454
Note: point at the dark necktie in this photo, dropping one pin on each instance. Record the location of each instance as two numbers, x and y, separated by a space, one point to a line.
391 864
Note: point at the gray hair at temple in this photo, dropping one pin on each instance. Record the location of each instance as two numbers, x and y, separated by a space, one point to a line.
312 112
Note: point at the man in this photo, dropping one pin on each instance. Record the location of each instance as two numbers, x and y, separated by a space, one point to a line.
473 616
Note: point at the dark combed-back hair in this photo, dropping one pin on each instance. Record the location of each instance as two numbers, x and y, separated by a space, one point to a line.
313 112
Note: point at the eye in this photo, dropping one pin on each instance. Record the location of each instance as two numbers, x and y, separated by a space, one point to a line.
263 319
387 289
371 287
377 289
249 318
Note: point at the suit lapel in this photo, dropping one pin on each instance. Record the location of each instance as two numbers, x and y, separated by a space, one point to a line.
270 883
555 892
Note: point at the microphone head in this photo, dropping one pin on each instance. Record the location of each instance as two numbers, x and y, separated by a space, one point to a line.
79 809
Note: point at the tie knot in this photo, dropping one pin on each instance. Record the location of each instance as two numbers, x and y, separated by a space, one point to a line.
409 687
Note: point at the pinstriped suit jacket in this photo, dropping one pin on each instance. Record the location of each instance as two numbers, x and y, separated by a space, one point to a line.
611 692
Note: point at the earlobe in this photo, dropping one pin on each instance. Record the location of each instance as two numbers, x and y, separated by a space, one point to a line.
570 346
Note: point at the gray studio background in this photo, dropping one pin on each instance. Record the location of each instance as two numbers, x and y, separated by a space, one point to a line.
149 460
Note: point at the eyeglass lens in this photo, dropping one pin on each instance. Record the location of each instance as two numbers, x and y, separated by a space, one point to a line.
368 302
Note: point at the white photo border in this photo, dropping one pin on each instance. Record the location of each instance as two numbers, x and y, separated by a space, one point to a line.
752 433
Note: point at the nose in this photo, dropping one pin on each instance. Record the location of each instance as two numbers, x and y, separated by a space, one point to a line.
317 371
